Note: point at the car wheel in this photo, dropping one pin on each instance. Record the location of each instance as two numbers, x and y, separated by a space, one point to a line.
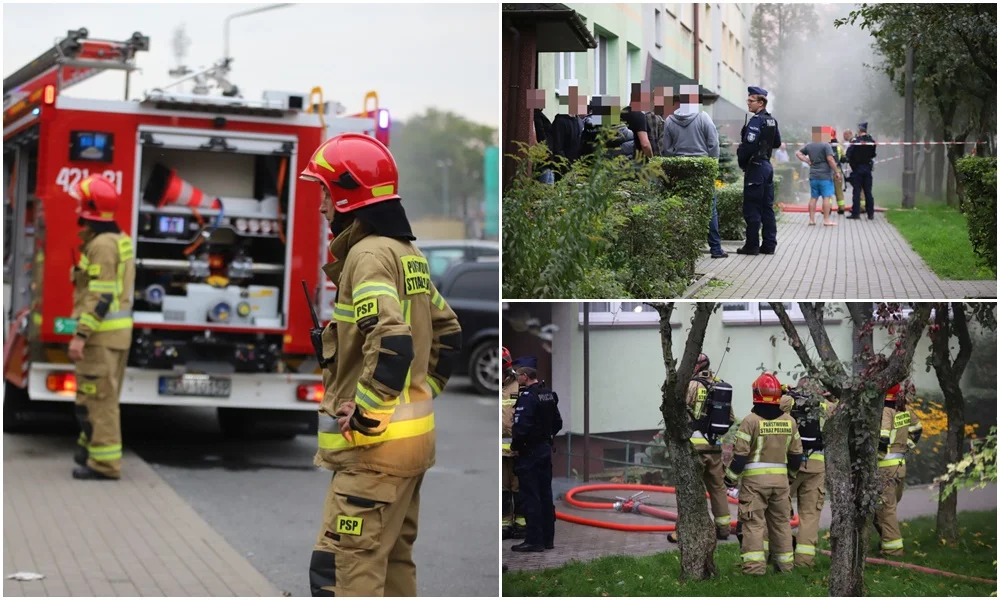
484 368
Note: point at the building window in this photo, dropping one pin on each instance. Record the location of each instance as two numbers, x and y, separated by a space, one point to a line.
686 18
601 66
705 27
631 66
565 72
757 313
622 313
658 27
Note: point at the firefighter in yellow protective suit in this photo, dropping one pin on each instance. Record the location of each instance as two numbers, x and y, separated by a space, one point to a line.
901 429
766 455
386 354
808 490
708 427
838 156
511 523
103 279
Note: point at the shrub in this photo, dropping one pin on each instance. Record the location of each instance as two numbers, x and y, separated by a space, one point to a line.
729 168
980 178
784 188
730 207
610 228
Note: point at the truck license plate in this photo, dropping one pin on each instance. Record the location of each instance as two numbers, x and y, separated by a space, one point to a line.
195 385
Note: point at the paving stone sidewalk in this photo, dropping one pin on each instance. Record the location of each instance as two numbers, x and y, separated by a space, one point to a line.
861 259
134 537
584 543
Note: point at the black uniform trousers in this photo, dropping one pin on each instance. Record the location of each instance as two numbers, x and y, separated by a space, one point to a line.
533 467
862 180
758 206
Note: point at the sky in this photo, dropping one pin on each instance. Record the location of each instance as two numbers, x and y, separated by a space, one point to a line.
415 56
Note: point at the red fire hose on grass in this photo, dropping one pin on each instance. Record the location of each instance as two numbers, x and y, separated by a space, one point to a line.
633 504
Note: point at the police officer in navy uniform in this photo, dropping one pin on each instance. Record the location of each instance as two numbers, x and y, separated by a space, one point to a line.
861 157
536 422
757 139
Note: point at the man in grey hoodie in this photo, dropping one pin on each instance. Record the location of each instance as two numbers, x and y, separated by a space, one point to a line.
691 132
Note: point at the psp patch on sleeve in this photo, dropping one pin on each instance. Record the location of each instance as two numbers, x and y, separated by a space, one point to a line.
349 525
366 314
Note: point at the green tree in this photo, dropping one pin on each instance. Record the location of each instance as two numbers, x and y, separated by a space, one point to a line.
954 63
774 29
948 324
424 142
975 470
695 531
850 436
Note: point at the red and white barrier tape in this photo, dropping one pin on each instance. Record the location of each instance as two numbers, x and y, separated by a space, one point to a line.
875 143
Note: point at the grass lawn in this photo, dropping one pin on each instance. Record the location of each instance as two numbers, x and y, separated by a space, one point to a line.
937 232
657 575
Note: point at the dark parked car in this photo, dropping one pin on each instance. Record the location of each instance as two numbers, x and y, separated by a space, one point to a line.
442 254
472 289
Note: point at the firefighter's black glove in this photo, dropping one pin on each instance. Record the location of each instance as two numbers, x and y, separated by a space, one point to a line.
729 482
363 424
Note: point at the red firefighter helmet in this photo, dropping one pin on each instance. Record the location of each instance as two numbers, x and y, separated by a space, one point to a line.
891 393
767 390
507 362
97 198
357 170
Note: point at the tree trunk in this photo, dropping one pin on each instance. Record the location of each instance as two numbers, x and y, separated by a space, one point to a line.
939 172
926 165
852 470
949 375
951 196
849 526
695 529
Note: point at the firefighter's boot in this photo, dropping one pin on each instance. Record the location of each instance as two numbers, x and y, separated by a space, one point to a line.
88 473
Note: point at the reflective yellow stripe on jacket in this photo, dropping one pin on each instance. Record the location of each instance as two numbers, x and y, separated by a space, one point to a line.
117 318
408 420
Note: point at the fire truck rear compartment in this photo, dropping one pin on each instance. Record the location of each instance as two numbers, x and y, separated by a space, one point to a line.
211 231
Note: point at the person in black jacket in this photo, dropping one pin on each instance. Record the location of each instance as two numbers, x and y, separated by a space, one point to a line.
536 422
861 156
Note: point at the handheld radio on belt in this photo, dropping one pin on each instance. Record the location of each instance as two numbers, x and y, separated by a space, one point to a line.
316 333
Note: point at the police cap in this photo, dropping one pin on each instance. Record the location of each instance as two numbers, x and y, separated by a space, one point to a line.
525 361
758 91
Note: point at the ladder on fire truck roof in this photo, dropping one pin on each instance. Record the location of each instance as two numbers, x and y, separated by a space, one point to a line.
72 60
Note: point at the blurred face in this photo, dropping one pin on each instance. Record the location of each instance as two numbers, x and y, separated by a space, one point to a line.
522 379
754 104
326 204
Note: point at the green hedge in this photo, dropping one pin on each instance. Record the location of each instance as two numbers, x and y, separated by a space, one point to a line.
980 203
611 228
784 190
730 207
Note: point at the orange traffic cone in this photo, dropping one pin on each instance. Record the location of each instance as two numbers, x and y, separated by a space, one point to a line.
165 187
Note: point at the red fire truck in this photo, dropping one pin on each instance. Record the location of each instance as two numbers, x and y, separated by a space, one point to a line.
223 234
